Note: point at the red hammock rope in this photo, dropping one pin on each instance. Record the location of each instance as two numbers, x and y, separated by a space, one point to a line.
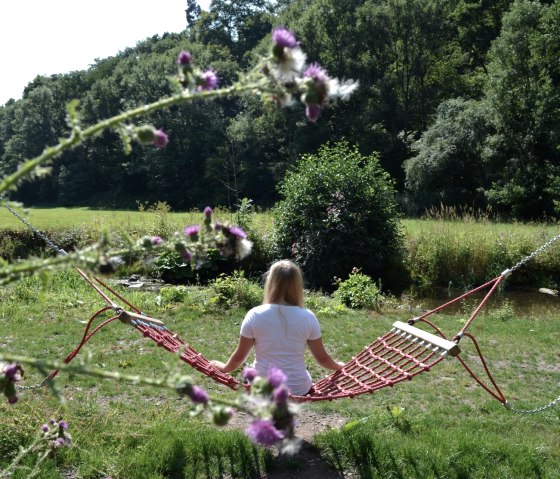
397 356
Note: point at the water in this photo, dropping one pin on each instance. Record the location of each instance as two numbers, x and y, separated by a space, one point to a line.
524 303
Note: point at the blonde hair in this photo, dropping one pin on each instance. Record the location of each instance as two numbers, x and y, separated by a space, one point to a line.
284 284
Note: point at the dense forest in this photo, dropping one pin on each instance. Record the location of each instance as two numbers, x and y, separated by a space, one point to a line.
459 98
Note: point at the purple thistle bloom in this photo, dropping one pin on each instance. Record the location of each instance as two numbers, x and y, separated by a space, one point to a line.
208 81
13 399
312 112
14 372
59 442
184 58
160 139
207 212
186 255
276 377
157 240
45 428
284 38
63 425
280 394
198 395
262 431
250 374
192 230
317 73
237 231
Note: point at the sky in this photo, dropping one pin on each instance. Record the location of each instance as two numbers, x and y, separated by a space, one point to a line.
43 37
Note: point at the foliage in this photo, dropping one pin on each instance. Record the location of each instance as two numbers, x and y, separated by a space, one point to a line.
359 291
236 291
338 212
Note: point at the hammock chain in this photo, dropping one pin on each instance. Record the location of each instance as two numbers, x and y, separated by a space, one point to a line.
539 250
550 405
49 243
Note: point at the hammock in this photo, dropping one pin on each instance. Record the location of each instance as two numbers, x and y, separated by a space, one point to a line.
404 352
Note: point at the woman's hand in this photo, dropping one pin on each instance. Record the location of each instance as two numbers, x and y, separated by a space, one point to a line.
218 365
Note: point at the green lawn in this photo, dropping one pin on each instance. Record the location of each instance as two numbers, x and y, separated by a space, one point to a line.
441 424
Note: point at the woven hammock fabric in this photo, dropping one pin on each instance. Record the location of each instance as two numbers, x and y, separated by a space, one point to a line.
389 360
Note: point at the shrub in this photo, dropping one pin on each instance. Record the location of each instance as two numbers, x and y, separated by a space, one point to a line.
339 211
359 291
236 291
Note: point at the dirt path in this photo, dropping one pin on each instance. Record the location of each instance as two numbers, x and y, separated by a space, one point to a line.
307 463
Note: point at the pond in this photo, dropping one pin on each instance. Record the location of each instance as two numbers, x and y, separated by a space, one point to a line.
523 302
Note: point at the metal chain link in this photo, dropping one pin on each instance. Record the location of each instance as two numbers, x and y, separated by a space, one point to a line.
550 405
539 250
49 243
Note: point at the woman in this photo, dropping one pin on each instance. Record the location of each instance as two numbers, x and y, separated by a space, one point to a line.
281 329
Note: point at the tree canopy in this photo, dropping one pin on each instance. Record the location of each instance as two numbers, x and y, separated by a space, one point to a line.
459 99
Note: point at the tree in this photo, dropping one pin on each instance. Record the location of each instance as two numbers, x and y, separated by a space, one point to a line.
447 166
339 212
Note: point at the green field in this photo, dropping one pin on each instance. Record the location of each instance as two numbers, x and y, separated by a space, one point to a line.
441 424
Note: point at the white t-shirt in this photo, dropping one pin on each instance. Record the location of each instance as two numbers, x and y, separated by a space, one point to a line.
281 334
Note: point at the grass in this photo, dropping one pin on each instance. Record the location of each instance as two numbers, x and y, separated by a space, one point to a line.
441 424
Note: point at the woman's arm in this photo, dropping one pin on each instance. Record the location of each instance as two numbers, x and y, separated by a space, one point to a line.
238 357
322 356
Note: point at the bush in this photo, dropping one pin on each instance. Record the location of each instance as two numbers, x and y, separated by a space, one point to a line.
359 291
339 211
236 291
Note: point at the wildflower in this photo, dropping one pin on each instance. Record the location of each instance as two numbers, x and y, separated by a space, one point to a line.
13 399
63 425
284 38
207 212
14 372
208 81
249 374
192 231
280 394
186 255
237 231
262 431
157 240
184 58
160 139
312 112
276 377
197 395
320 88
45 428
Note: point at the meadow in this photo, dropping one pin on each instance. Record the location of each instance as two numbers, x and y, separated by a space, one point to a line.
440 425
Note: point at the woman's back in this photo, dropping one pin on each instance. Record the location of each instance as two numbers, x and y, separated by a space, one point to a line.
281 333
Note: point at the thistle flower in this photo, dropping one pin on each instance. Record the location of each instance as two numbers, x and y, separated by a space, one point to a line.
284 38
262 431
207 212
237 232
208 81
45 428
276 377
192 230
198 395
250 374
186 255
184 58
280 394
160 139
14 372
157 240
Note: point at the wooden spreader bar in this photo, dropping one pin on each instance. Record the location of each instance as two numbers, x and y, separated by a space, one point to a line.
430 340
127 316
